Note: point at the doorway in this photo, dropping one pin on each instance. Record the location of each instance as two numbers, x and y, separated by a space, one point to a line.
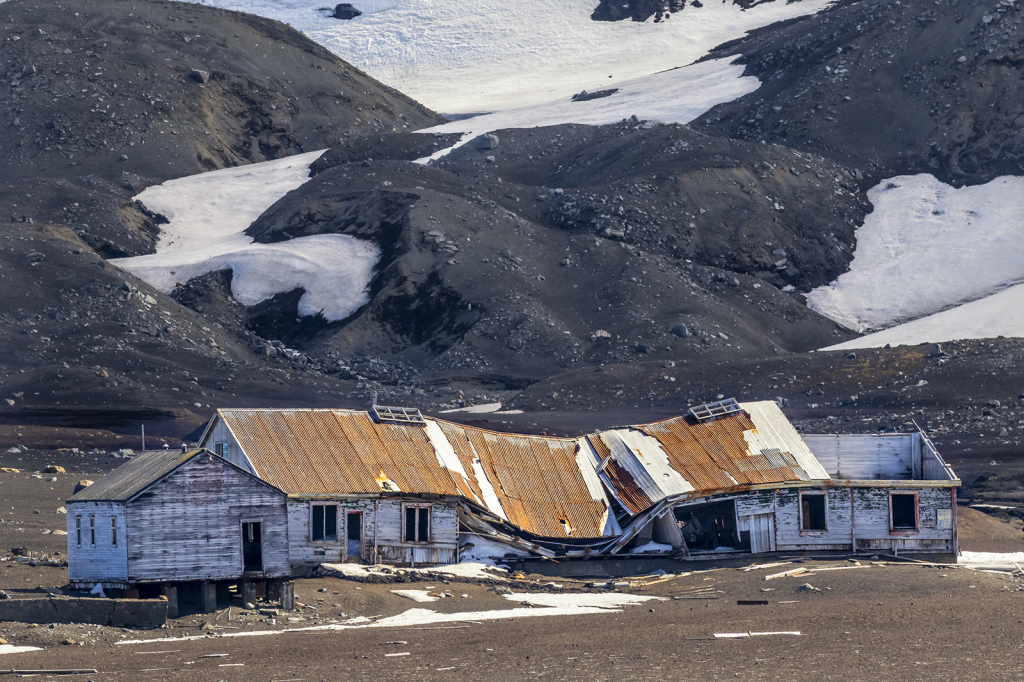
252 546
354 535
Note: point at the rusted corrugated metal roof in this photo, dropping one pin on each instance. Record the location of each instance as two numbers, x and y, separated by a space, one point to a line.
535 483
337 452
537 480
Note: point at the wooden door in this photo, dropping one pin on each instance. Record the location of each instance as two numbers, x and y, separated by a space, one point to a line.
762 531
252 546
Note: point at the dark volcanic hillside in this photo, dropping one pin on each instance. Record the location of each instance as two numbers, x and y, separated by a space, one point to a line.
890 88
101 104
574 245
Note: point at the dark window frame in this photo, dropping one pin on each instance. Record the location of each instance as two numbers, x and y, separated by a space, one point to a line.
78 530
804 520
113 531
904 530
324 535
422 516
92 530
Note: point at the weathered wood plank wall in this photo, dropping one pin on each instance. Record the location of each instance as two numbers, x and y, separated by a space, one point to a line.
105 561
864 456
188 526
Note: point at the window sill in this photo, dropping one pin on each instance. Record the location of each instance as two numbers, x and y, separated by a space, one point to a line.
904 531
814 533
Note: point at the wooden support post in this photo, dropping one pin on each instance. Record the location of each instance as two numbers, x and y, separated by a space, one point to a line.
274 590
171 593
208 596
261 589
248 593
288 596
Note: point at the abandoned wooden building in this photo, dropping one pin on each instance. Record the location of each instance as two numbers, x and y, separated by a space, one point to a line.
273 493
390 485
170 521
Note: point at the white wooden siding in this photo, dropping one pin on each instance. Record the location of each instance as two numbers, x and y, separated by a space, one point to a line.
868 520
789 535
188 526
304 553
871 508
102 562
444 534
221 434
865 457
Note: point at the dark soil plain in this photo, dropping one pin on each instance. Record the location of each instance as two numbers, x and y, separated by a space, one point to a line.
583 276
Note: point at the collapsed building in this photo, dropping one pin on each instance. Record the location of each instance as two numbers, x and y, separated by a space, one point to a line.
393 486
274 492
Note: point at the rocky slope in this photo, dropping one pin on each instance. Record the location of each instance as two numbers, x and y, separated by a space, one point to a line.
889 88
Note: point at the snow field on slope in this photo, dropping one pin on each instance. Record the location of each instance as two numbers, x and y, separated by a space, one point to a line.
676 96
465 56
208 214
927 246
1001 314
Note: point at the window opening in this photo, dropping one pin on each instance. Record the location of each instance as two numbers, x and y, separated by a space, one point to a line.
78 531
113 531
325 523
221 449
417 524
812 508
903 507
92 530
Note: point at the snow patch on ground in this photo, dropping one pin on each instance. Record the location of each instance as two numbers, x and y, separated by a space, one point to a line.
991 560
551 605
485 551
476 409
601 600
927 246
467 56
422 596
12 649
676 96
208 214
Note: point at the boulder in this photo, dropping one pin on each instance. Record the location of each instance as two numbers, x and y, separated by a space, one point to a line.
199 76
485 142
54 469
346 12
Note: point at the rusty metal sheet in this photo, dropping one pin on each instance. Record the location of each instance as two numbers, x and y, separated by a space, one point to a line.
715 455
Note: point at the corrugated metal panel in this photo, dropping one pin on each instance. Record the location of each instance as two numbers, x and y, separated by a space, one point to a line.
630 495
537 481
773 430
133 477
339 452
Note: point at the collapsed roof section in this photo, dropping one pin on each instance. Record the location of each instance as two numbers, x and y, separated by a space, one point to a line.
555 488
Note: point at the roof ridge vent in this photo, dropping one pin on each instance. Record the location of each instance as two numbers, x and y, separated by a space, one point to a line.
408 416
709 412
